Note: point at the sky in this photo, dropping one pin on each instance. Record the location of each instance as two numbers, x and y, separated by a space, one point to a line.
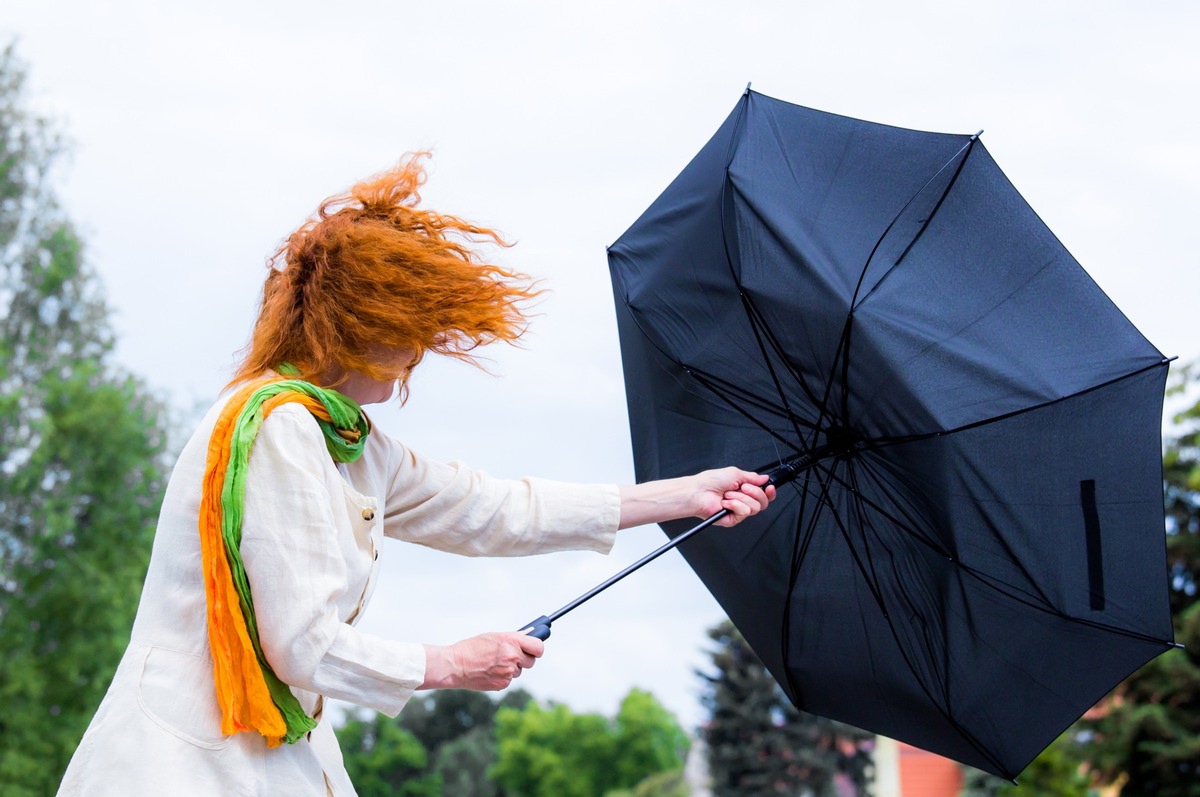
202 134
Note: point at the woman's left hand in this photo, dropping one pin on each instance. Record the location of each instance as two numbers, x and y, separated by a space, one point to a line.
739 491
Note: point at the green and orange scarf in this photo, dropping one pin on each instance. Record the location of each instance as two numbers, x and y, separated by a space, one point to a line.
250 694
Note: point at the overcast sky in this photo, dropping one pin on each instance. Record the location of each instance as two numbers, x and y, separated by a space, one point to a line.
204 133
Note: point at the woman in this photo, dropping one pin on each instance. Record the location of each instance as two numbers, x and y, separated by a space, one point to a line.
247 626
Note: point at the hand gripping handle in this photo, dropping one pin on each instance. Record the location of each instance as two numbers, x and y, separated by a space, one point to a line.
539 628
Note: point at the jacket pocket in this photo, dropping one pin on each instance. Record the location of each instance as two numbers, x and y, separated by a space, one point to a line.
176 691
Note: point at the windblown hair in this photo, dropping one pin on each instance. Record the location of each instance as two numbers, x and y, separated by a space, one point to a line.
372 274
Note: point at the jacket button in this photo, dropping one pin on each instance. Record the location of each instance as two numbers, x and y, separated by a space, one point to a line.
368 514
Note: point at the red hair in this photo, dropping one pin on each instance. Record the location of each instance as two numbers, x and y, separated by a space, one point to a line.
372 275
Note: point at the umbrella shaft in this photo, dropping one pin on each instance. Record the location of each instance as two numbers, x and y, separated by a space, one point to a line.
650 557
781 475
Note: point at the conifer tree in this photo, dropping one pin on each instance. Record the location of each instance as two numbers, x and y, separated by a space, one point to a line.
759 744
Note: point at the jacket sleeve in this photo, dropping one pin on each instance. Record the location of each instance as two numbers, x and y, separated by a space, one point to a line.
453 508
299 572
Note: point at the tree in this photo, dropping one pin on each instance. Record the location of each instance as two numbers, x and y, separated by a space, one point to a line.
759 744
1059 771
553 752
463 764
648 740
661 784
1181 479
81 467
384 760
442 716
443 742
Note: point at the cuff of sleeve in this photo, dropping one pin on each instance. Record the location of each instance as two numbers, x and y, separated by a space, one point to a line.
585 516
370 671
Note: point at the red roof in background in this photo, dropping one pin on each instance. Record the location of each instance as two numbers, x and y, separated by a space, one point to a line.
925 774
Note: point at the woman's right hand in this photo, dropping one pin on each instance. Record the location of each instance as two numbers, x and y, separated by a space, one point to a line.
485 663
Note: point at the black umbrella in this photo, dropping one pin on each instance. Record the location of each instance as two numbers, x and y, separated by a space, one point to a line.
971 553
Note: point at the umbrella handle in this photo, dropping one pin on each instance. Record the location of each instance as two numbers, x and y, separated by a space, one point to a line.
788 471
539 628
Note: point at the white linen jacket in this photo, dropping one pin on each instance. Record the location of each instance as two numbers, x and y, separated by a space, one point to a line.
311 538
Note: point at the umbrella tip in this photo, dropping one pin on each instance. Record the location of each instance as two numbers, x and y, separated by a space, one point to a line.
977 135
747 87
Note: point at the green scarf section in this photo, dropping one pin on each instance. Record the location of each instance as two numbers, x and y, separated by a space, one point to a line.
345 445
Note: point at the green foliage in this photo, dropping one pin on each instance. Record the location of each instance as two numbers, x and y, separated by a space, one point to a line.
453 731
457 728
463 744
1181 475
647 740
1059 771
385 760
759 744
1148 735
463 764
439 717
553 752
81 468
662 784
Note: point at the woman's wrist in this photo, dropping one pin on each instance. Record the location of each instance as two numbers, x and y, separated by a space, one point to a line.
441 667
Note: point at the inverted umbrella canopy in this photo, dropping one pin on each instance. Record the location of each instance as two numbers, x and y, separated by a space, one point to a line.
972 551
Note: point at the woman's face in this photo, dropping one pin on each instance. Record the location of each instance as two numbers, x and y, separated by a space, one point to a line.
365 389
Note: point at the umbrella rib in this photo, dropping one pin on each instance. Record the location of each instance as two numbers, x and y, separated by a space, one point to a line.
758 322
1003 588
863 520
967 735
704 382
750 398
898 522
754 326
842 352
866 523
757 318
941 551
989 580
742 293
968 147
1007 548
885 441
871 584
879 242
799 553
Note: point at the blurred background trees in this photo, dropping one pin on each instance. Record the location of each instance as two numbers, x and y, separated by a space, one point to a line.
464 744
759 744
81 466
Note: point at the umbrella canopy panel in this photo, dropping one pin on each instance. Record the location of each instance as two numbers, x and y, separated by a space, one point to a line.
979 555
